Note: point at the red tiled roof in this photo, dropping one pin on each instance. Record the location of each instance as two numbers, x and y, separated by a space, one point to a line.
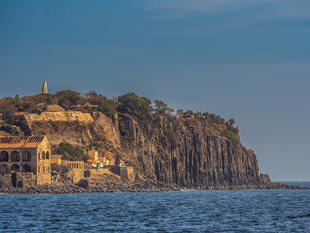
20 142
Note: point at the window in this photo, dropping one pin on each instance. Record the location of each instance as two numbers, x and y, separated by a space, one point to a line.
4 156
26 156
15 156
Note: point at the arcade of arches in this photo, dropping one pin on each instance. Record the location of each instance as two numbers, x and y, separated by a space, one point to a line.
16 161
21 157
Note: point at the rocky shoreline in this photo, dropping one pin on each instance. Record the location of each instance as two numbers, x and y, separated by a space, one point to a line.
110 184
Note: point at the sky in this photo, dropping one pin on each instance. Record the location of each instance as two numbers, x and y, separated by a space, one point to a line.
242 59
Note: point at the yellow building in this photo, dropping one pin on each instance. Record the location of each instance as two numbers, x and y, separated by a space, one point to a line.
56 159
93 154
26 155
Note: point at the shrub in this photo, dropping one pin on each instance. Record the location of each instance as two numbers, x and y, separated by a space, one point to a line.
232 137
108 109
139 107
72 151
11 129
125 133
67 98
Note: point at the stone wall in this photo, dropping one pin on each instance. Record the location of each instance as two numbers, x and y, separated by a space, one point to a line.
5 180
19 180
27 179
127 173
76 170
60 116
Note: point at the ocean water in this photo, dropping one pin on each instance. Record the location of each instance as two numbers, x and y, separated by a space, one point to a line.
187 211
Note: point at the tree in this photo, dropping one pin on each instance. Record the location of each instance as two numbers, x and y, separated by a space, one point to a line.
105 105
72 151
68 98
161 108
108 109
139 107
8 105
231 122
94 98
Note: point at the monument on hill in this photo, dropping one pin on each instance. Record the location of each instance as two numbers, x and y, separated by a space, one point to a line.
44 88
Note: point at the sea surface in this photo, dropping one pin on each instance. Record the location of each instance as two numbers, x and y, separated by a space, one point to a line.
186 211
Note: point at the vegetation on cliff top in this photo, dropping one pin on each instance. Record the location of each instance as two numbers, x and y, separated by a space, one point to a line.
146 113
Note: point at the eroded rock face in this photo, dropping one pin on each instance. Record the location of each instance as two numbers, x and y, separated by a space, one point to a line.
79 131
202 157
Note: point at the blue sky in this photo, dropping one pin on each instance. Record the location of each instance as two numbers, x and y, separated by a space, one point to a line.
242 59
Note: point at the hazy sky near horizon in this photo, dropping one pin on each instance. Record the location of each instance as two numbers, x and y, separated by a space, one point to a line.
243 59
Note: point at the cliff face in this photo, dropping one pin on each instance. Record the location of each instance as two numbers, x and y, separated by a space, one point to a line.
199 156
77 129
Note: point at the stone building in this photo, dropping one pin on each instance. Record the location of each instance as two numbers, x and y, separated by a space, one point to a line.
76 168
127 173
26 155
93 154
56 159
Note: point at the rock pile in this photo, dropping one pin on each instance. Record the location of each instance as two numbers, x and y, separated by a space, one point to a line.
107 183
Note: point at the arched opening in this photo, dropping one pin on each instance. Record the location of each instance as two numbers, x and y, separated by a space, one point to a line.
26 156
26 168
20 184
47 155
15 168
43 155
4 169
4 156
15 156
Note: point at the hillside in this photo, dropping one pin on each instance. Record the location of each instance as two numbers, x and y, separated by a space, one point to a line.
190 149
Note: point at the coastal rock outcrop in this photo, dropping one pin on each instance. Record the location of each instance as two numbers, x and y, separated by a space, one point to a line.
201 157
192 154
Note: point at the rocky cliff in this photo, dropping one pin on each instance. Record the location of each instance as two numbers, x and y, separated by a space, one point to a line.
194 154
201 157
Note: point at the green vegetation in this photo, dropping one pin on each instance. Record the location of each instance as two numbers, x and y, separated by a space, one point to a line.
108 109
10 105
11 129
139 107
106 106
126 133
67 98
71 151
161 108
232 136
149 116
